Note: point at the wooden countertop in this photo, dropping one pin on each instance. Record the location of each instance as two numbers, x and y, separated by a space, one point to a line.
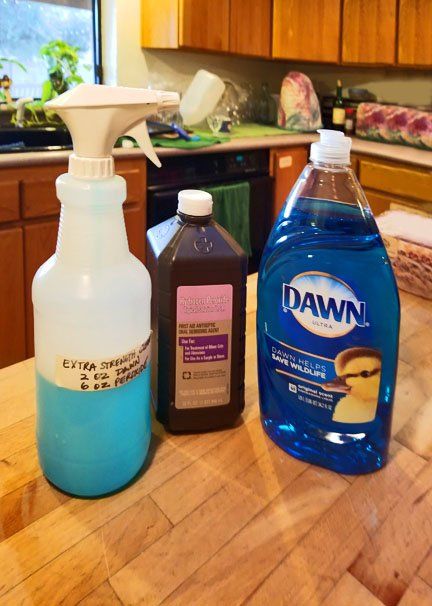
400 153
227 517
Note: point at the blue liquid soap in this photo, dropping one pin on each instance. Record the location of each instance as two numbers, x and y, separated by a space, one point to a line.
328 327
93 443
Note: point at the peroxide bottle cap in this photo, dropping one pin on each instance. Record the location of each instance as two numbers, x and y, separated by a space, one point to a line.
332 148
195 202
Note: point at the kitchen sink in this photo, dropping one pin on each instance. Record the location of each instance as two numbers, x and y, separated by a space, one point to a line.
34 139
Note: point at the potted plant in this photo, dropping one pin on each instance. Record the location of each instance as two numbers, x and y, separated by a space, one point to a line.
62 62
5 81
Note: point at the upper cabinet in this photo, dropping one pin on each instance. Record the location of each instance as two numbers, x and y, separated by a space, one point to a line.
415 32
159 23
237 26
306 30
185 23
369 31
204 24
250 27
363 32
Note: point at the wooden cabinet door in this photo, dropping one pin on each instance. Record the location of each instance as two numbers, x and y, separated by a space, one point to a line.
250 27
369 31
397 179
306 30
378 202
136 221
159 23
285 167
12 316
204 24
39 244
415 32
9 200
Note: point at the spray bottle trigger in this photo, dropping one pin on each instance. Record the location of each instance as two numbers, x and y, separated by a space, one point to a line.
140 133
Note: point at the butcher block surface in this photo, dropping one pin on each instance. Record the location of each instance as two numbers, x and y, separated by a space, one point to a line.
227 517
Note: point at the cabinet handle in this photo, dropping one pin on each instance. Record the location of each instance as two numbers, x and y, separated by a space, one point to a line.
285 162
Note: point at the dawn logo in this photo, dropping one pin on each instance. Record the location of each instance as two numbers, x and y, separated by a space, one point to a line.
323 304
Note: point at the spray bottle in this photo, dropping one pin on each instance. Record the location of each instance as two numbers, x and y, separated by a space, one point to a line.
92 304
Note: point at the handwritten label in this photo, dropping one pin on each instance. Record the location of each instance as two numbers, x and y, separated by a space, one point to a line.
97 375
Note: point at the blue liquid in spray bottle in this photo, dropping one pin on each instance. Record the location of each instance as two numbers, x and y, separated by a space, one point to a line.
328 321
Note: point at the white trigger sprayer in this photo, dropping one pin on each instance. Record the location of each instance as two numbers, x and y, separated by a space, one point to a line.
98 115
92 303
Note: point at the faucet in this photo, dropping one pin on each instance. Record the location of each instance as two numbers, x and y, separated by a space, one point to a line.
20 107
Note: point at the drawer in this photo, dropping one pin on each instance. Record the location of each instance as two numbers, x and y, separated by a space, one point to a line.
380 202
135 180
9 201
38 191
39 198
394 179
355 163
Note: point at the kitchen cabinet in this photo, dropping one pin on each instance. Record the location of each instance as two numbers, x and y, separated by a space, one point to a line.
9 201
204 25
39 244
390 185
415 32
185 23
369 31
364 32
306 31
160 23
250 27
397 179
29 211
285 167
12 326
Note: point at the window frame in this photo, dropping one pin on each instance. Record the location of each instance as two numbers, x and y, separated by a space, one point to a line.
97 41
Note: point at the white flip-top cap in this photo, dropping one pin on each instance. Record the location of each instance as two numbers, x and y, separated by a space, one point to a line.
195 202
332 148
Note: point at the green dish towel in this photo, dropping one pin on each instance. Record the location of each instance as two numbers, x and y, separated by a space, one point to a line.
231 209
204 141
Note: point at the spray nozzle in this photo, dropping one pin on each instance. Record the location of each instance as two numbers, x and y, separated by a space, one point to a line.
97 115
332 148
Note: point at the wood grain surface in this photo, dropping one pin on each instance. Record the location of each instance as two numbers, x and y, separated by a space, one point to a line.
306 31
227 518
415 32
250 27
369 31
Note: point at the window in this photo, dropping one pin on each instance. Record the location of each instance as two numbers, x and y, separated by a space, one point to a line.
27 25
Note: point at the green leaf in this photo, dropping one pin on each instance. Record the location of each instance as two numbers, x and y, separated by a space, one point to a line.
48 91
74 79
14 61
62 58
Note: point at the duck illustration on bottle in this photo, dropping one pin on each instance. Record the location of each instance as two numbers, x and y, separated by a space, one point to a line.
358 376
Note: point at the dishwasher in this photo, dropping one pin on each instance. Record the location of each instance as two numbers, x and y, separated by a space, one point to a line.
208 169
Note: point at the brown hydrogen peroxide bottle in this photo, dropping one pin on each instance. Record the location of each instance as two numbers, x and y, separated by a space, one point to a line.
199 277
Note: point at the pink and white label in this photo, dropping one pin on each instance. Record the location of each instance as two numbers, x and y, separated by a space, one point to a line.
204 303
203 345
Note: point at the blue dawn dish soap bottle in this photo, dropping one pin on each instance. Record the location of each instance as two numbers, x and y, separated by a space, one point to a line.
328 320
92 304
